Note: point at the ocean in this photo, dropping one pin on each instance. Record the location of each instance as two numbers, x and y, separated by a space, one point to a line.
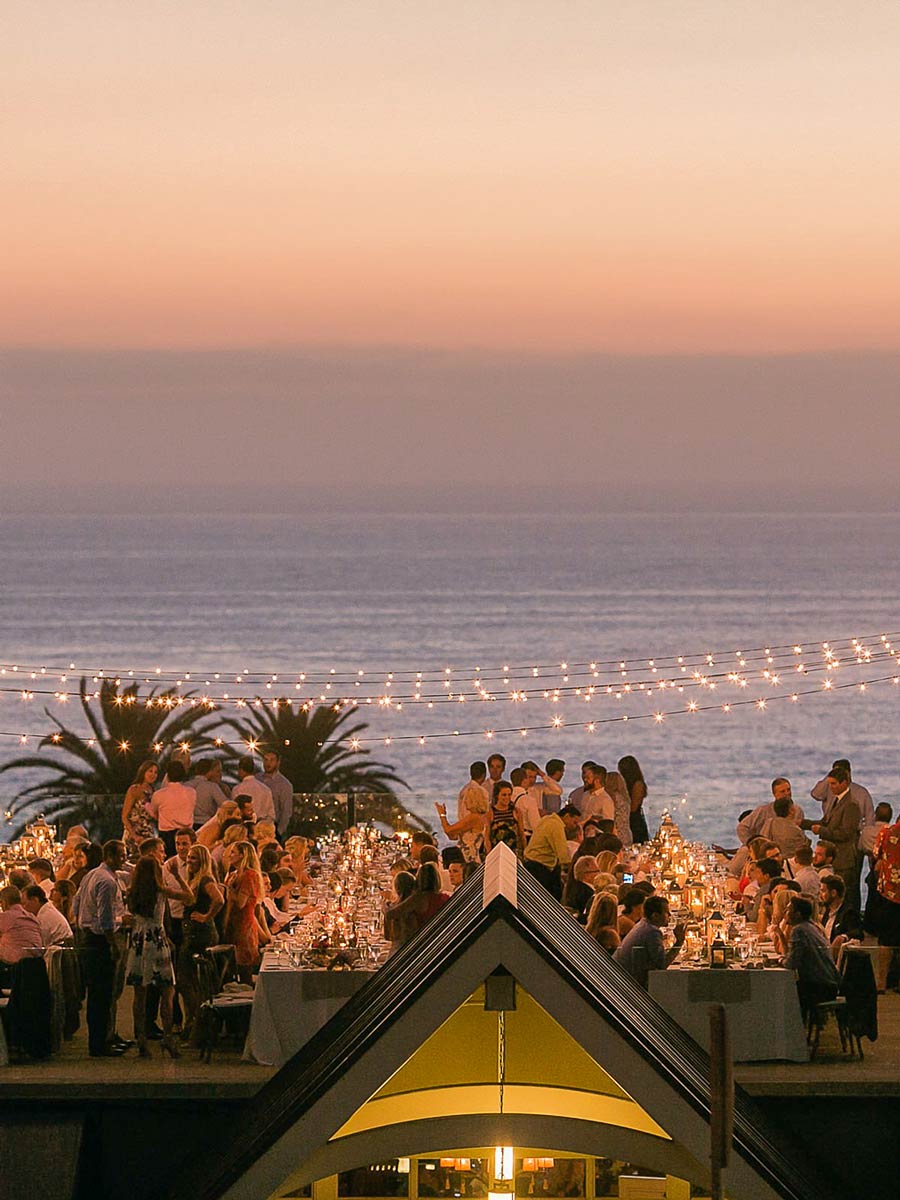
417 592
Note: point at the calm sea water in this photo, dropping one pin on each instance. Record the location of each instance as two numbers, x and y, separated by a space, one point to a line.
291 594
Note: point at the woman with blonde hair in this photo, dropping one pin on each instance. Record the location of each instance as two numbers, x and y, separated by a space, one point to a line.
606 862
471 831
211 832
137 823
244 891
298 848
198 926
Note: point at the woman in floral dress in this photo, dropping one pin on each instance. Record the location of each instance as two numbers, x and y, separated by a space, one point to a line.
149 959
136 821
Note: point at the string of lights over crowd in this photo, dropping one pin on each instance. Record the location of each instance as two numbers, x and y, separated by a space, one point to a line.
647 679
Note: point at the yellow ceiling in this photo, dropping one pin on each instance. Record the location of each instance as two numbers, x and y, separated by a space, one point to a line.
455 1072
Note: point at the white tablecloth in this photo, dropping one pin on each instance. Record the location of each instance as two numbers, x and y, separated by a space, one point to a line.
290 1005
763 1009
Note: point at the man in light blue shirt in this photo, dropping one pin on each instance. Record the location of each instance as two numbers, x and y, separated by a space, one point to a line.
281 788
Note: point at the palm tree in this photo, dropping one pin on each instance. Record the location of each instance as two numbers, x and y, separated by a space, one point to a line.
321 755
125 729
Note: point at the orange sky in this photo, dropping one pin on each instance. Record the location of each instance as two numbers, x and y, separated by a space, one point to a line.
635 178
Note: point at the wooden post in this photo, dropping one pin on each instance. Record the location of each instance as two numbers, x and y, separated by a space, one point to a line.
721 1096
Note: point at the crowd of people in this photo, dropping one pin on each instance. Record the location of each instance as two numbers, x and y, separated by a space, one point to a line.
201 864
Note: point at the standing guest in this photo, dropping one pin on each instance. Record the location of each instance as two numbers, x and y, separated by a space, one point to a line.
869 835
524 803
244 892
175 871
643 949
602 921
281 788
615 787
548 852
587 784
596 802
263 802
198 927
860 795
137 824
454 875
471 830
506 824
55 929
172 806
41 871
841 827
149 962
546 793
636 786
20 933
473 788
756 822
211 793
809 954
887 869
98 912
62 896
632 908
496 766
553 772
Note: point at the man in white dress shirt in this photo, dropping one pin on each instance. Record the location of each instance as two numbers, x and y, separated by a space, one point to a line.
55 929
263 802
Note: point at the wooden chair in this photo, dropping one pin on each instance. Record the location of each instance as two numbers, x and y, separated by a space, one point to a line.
218 1008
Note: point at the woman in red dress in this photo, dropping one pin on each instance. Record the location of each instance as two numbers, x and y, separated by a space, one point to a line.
244 893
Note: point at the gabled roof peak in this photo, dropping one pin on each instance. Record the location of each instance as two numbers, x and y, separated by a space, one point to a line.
500 876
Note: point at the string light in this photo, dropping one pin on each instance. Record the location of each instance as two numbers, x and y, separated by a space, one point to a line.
653 662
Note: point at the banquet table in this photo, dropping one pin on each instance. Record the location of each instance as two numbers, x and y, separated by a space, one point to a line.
291 1003
762 1005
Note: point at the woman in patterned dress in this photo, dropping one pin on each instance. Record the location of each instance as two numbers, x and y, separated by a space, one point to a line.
137 823
149 959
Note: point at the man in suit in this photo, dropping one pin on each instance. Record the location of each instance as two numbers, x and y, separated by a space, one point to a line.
841 827
840 921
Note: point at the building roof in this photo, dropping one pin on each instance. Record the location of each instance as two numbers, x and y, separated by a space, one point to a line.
503 919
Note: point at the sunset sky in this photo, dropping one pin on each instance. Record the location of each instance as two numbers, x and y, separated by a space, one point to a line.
528 179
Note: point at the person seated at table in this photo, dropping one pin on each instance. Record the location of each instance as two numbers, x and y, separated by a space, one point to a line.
41 871
764 871
840 921
298 848
55 929
773 906
632 908
419 839
74 835
809 954
804 872
211 832
274 902
602 922
20 932
269 857
400 920
264 835
62 896
740 865
578 894
85 857
643 949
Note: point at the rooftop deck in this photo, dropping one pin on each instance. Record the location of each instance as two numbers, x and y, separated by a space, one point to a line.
72 1073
